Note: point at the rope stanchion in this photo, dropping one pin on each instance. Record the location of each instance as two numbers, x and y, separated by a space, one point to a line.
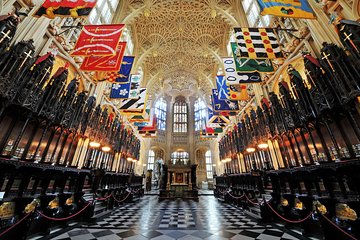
347 234
119 201
287 220
17 223
104 198
65 218
235 197
249 200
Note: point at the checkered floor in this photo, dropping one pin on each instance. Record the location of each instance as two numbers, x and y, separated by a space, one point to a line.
151 219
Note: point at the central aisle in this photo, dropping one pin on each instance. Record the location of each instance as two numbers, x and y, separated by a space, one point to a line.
150 219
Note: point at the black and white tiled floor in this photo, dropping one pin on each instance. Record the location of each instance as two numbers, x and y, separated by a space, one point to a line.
151 219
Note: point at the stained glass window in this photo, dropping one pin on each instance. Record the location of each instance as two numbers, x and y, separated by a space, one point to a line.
160 112
180 116
151 160
200 114
179 157
209 165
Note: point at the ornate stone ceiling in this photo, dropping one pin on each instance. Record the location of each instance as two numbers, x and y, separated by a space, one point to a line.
178 42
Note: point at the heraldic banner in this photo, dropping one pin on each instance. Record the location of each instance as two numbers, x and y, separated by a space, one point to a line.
286 8
65 8
98 40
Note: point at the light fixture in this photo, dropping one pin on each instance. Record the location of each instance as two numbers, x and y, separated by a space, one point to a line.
129 159
105 149
214 165
134 160
228 159
94 144
144 165
263 145
250 149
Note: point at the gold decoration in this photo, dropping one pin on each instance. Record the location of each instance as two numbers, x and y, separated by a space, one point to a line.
53 204
284 202
344 212
320 207
7 210
32 206
298 204
70 200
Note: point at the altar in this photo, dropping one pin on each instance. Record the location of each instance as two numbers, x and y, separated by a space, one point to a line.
180 181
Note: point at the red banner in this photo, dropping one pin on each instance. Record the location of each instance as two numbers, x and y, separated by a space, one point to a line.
98 40
65 8
105 63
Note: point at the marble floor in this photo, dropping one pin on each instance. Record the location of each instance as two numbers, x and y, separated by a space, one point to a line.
150 219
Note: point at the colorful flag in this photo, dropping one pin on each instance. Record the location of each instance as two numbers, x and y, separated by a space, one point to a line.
150 127
152 134
130 89
134 106
222 87
111 77
98 40
105 63
215 119
234 77
125 69
251 65
238 92
223 105
146 123
120 90
135 80
145 117
286 8
258 43
65 8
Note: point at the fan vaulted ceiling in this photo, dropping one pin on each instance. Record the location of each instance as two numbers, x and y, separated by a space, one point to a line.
178 42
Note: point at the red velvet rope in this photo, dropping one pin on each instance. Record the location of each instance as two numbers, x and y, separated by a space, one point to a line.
287 220
236 196
119 201
347 234
1 234
104 198
249 200
66 218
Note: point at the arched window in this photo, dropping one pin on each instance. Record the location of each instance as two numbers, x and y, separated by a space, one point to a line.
200 114
103 12
252 10
180 157
160 112
209 165
180 115
151 160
